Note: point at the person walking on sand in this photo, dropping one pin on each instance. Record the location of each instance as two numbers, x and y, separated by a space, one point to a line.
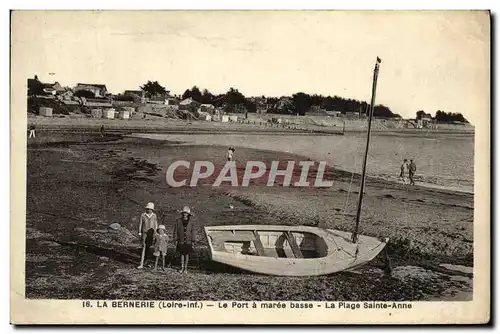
184 237
148 224
411 172
102 130
230 153
404 171
32 131
161 245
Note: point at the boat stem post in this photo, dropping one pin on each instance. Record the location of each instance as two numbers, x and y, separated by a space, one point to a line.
363 175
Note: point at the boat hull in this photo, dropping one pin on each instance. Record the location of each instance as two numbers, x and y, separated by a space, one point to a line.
334 251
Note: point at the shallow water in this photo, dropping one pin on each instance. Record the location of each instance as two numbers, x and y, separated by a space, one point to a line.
443 160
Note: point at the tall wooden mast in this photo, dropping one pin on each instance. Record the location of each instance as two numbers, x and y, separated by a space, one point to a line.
363 175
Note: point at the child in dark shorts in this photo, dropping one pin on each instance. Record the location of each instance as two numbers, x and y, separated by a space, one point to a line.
184 237
148 224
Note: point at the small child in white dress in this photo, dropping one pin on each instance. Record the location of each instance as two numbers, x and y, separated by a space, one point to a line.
161 245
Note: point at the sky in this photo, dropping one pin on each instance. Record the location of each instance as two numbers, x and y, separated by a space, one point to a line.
430 60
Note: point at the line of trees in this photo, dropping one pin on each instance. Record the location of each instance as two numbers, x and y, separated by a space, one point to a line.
299 103
443 117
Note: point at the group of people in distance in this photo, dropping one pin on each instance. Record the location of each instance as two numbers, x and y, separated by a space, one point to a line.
408 170
153 235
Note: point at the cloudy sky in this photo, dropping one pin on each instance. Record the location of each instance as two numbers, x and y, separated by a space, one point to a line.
430 60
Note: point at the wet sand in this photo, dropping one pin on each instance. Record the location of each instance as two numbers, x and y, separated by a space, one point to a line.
79 184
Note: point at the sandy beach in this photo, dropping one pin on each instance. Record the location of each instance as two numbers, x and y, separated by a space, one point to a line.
80 183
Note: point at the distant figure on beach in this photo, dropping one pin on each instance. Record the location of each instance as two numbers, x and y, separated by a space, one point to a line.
161 245
230 153
184 237
102 130
412 170
32 131
404 171
148 225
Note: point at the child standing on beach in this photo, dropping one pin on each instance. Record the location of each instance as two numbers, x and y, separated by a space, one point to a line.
404 171
161 245
184 237
148 224
230 154
411 173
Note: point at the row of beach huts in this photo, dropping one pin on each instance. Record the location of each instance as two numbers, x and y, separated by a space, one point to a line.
109 113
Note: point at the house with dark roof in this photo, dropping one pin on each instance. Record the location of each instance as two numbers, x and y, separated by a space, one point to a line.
36 87
97 89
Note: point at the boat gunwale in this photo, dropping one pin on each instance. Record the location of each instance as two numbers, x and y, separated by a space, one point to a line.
274 228
319 231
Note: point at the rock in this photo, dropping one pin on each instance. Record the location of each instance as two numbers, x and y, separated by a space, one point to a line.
49 243
413 272
463 269
115 226
461 279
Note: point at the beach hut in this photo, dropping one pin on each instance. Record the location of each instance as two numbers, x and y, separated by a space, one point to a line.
44 111
204 116
124 114
233 118
108 113
96 113
225 118
207 108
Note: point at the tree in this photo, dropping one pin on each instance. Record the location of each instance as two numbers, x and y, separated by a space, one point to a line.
153 88
251 106
302 102
193 93
219 100
85 93
383 111
420 114
444 117
317 100
235 101
207 97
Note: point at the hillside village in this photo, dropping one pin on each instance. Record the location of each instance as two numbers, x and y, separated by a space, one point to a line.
90 100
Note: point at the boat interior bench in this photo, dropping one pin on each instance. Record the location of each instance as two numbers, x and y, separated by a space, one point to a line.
282 244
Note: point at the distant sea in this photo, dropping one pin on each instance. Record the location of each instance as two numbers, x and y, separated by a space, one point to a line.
443 160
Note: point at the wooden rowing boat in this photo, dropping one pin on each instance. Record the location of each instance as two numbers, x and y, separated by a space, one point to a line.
289 250
298 250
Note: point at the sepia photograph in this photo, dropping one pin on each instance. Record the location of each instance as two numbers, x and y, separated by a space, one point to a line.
290 159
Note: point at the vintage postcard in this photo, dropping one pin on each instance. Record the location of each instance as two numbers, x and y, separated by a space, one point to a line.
250 167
